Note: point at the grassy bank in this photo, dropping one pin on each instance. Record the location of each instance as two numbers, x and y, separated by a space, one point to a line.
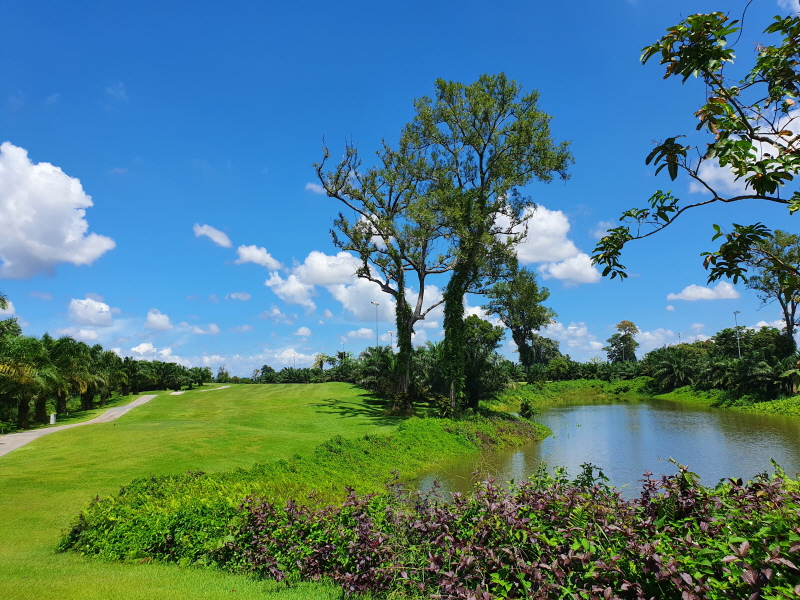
716 398
46 483
541 395
188 518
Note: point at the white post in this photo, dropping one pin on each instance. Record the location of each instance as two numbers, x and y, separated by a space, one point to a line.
52 418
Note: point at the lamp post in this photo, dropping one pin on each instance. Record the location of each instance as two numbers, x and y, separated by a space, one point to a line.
377 304
735 320
294 358
391 341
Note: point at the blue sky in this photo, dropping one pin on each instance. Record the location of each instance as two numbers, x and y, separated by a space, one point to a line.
157 194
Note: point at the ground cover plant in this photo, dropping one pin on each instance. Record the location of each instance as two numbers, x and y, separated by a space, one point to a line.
187 518
547 538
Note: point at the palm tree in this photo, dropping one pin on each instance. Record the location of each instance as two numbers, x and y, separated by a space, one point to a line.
26 375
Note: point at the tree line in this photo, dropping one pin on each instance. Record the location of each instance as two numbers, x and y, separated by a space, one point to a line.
40 376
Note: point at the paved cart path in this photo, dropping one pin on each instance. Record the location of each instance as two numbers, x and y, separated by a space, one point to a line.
12 441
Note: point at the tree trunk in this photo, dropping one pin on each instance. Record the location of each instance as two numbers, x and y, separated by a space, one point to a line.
61 403
454 335
87 400
40 409
24 413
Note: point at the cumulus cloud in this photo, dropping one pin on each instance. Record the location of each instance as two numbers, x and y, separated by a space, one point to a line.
244 296
327 314
157 320
357 300
257 255
321 269
42 218
790 5
90 312
215 235
363 333
574 270
241 328
276 315
547 243
670 307
303 331
291 290
575 336
316 188
650 340
722 291
212 330
79 333
601 229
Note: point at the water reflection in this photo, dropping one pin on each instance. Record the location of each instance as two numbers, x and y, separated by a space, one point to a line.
626 440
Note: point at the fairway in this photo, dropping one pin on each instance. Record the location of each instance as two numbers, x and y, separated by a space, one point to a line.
44 484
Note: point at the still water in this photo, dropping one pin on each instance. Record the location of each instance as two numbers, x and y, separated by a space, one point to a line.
626 440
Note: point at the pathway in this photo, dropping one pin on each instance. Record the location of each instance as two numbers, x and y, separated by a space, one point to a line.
12 441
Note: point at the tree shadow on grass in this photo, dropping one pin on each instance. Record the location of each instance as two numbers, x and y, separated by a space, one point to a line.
369 407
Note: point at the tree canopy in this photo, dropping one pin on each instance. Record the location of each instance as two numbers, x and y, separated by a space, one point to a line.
754 128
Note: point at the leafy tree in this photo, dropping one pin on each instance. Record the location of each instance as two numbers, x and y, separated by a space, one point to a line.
10 328
754 129
622 346
517 302
772 281
222 375
481 143
395 231
482 365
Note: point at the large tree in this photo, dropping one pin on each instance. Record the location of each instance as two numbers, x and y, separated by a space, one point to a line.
754 129
394 230
770 278
482 143
517 302
622 345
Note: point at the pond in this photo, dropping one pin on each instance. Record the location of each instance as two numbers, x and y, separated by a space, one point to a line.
627 439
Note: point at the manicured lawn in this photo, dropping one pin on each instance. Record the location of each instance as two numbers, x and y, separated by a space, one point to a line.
44 484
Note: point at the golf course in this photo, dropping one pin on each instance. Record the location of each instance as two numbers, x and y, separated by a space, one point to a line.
46 483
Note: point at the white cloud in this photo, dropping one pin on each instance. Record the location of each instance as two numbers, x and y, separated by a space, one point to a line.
697 326
42 218
215 235
257 255
90 312
244 296
723 290
721 179
315 187
157 320
123 171
790 5
777 324
291 290
574 336
357 300
670 307
574 270
303 331
241 328
94 296
41 295
79 333
290 357
364 333
276 315
320 269
547 242
547 236
214 298
327 314
8 310
601 229
116 90
212 329
650 340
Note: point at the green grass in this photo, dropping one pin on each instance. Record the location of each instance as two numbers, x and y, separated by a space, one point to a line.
45 484
692 396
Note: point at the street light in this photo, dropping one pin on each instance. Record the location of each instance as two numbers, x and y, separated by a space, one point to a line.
735 320
391 341
377 304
